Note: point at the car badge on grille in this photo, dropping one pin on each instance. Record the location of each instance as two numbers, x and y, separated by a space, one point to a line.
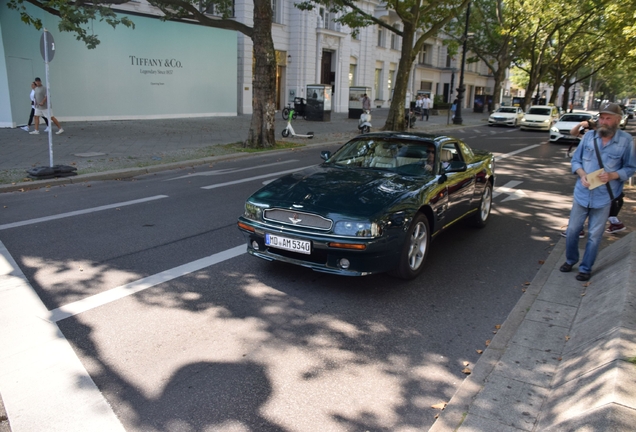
294 219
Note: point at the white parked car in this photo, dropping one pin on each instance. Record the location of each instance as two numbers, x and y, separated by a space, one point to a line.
506 116
539 117
560 131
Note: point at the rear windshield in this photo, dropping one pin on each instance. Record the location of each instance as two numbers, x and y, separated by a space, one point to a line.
540 111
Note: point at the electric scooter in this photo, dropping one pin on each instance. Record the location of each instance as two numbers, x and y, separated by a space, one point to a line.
364 124
289 130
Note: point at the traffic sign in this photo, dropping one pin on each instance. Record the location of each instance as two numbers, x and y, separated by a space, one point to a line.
47 46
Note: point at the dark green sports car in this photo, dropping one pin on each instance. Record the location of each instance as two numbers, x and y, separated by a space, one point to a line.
372 206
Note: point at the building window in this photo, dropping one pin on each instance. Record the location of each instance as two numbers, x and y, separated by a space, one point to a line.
390 82
352 74
377 83
424 55
380 37
210 7
277 10
393 41
449 60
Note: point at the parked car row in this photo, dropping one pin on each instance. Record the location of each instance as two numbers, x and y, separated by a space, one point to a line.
546 117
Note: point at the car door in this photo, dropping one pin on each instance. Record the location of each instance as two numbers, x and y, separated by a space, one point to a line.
460 185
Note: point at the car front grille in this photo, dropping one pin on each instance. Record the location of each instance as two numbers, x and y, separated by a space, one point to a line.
298 219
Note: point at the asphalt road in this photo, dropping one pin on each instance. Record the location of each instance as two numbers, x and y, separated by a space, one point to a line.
204 337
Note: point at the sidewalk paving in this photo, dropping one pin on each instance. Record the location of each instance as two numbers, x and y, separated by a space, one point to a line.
97 148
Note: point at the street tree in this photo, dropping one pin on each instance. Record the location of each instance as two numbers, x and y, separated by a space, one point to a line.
75 17
419 19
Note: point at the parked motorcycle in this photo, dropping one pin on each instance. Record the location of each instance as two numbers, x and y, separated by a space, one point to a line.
364 124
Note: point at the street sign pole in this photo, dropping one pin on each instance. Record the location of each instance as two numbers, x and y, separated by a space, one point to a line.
47 47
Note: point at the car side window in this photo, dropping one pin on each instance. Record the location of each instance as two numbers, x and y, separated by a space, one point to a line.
450 153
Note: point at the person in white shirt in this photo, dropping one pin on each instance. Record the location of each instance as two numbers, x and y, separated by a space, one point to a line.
26 128
427 104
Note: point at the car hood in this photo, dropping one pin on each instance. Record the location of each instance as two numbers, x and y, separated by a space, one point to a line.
565 125
536 117
503 114
354 192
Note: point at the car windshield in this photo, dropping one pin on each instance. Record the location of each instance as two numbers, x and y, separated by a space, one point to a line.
403 157
539 111
575 117
507 110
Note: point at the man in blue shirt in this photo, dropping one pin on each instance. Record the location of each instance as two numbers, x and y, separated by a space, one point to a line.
616 151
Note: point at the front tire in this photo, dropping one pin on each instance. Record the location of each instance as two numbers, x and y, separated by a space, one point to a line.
415 249
480 219
285 133
285 113
366 129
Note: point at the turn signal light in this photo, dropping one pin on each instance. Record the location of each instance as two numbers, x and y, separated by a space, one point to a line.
355 246
245 227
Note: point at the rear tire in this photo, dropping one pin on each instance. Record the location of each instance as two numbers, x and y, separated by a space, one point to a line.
415 249
480 219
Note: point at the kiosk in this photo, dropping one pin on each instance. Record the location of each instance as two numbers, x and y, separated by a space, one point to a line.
355 100
318 102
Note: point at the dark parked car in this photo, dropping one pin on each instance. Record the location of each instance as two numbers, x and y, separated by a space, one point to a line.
372 206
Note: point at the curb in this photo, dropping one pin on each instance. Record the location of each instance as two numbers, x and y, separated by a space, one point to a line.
457 409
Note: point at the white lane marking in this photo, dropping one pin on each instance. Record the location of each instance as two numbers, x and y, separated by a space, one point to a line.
507 155
134 287
45 386
508 189
79 212
266 182
245 180
232 170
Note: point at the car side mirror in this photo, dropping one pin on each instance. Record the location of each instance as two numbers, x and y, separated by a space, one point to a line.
325 154
456 166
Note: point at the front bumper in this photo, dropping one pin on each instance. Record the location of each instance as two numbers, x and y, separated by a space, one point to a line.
502 121
535 126
380 255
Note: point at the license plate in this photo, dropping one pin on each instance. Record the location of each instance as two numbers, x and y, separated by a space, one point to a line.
300 246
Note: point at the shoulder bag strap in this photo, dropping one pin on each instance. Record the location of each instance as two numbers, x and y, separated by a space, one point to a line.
600 162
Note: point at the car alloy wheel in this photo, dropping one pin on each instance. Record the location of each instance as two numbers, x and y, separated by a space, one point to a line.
415 249
483 213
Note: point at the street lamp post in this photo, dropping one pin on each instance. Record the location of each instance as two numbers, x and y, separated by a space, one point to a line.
460 90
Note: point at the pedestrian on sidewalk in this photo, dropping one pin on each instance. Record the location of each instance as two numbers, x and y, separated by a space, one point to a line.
366 103
32 97
617 203
604 158
427 104
41 109
453 109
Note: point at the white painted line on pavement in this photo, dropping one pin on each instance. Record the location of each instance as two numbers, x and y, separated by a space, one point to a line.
45 386
79 212
508 189
232 170
134 287
507 155
249 179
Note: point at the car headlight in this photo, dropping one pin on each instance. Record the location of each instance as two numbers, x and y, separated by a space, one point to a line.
553 129
356 229
523 119
254 211
546 121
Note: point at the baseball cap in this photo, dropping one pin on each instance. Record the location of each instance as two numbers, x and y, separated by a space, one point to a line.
611 108
37 79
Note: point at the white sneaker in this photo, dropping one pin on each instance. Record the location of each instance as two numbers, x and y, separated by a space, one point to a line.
35 132
25 128
59 132
47 129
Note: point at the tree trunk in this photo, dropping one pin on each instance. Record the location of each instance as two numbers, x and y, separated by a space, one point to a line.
262 132
500 76
396 120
